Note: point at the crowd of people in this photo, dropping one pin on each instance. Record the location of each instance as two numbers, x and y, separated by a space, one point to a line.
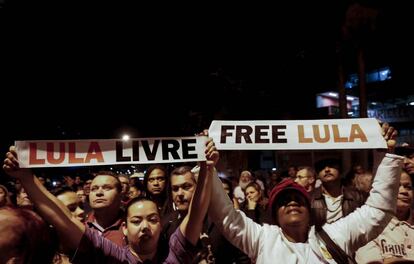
188 214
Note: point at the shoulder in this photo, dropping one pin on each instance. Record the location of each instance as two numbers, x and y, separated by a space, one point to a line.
351 193
316 193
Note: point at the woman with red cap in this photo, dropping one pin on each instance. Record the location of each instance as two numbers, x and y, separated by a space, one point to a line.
294 238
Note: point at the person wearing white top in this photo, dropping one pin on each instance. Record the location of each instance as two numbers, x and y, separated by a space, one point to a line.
294 238
396 242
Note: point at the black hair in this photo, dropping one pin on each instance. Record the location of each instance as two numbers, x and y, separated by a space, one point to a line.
61 190
150 170
136 200
331 162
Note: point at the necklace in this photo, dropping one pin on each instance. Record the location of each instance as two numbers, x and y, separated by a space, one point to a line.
329 206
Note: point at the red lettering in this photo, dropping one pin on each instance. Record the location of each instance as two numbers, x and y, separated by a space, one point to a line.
33 155
72 154
94 152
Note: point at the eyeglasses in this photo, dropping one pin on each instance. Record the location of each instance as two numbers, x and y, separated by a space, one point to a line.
301 177
159 179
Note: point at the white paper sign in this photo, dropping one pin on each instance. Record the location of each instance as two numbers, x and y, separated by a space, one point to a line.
359 133
67 153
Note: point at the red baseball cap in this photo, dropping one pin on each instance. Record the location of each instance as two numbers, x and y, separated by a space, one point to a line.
283 187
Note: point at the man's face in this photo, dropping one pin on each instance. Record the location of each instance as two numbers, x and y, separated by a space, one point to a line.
77 180
143 227
87 187
70 200
245 177
409 164
304 178
329 174
125 184
292 210
183 187
156 182
104 193
292 172
81 196
405 192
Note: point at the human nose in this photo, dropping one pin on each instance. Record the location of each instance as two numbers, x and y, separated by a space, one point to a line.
297 179
99 192
144 225
402 190
180 192
292 203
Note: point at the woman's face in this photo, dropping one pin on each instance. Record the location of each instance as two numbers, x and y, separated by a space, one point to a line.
23 199
292 210
252 194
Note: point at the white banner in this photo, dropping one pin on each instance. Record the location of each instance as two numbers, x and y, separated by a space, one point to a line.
68 153
359 133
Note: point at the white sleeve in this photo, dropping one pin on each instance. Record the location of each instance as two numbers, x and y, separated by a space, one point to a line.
366 223
236 227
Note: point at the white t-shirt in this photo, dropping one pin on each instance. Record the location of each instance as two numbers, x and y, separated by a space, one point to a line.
305 253
334 208
397 240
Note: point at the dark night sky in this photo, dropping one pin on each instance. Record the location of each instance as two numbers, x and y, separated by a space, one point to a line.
114 71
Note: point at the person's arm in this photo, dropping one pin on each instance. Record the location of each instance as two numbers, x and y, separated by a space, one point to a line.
367 222
183 242
48 206
192 224
235 226
389 134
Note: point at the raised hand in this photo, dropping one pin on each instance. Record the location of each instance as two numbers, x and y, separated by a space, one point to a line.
11 165
390 136
212 154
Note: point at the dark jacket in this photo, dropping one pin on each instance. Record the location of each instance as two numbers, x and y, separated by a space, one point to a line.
352 199
259 214
212 242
